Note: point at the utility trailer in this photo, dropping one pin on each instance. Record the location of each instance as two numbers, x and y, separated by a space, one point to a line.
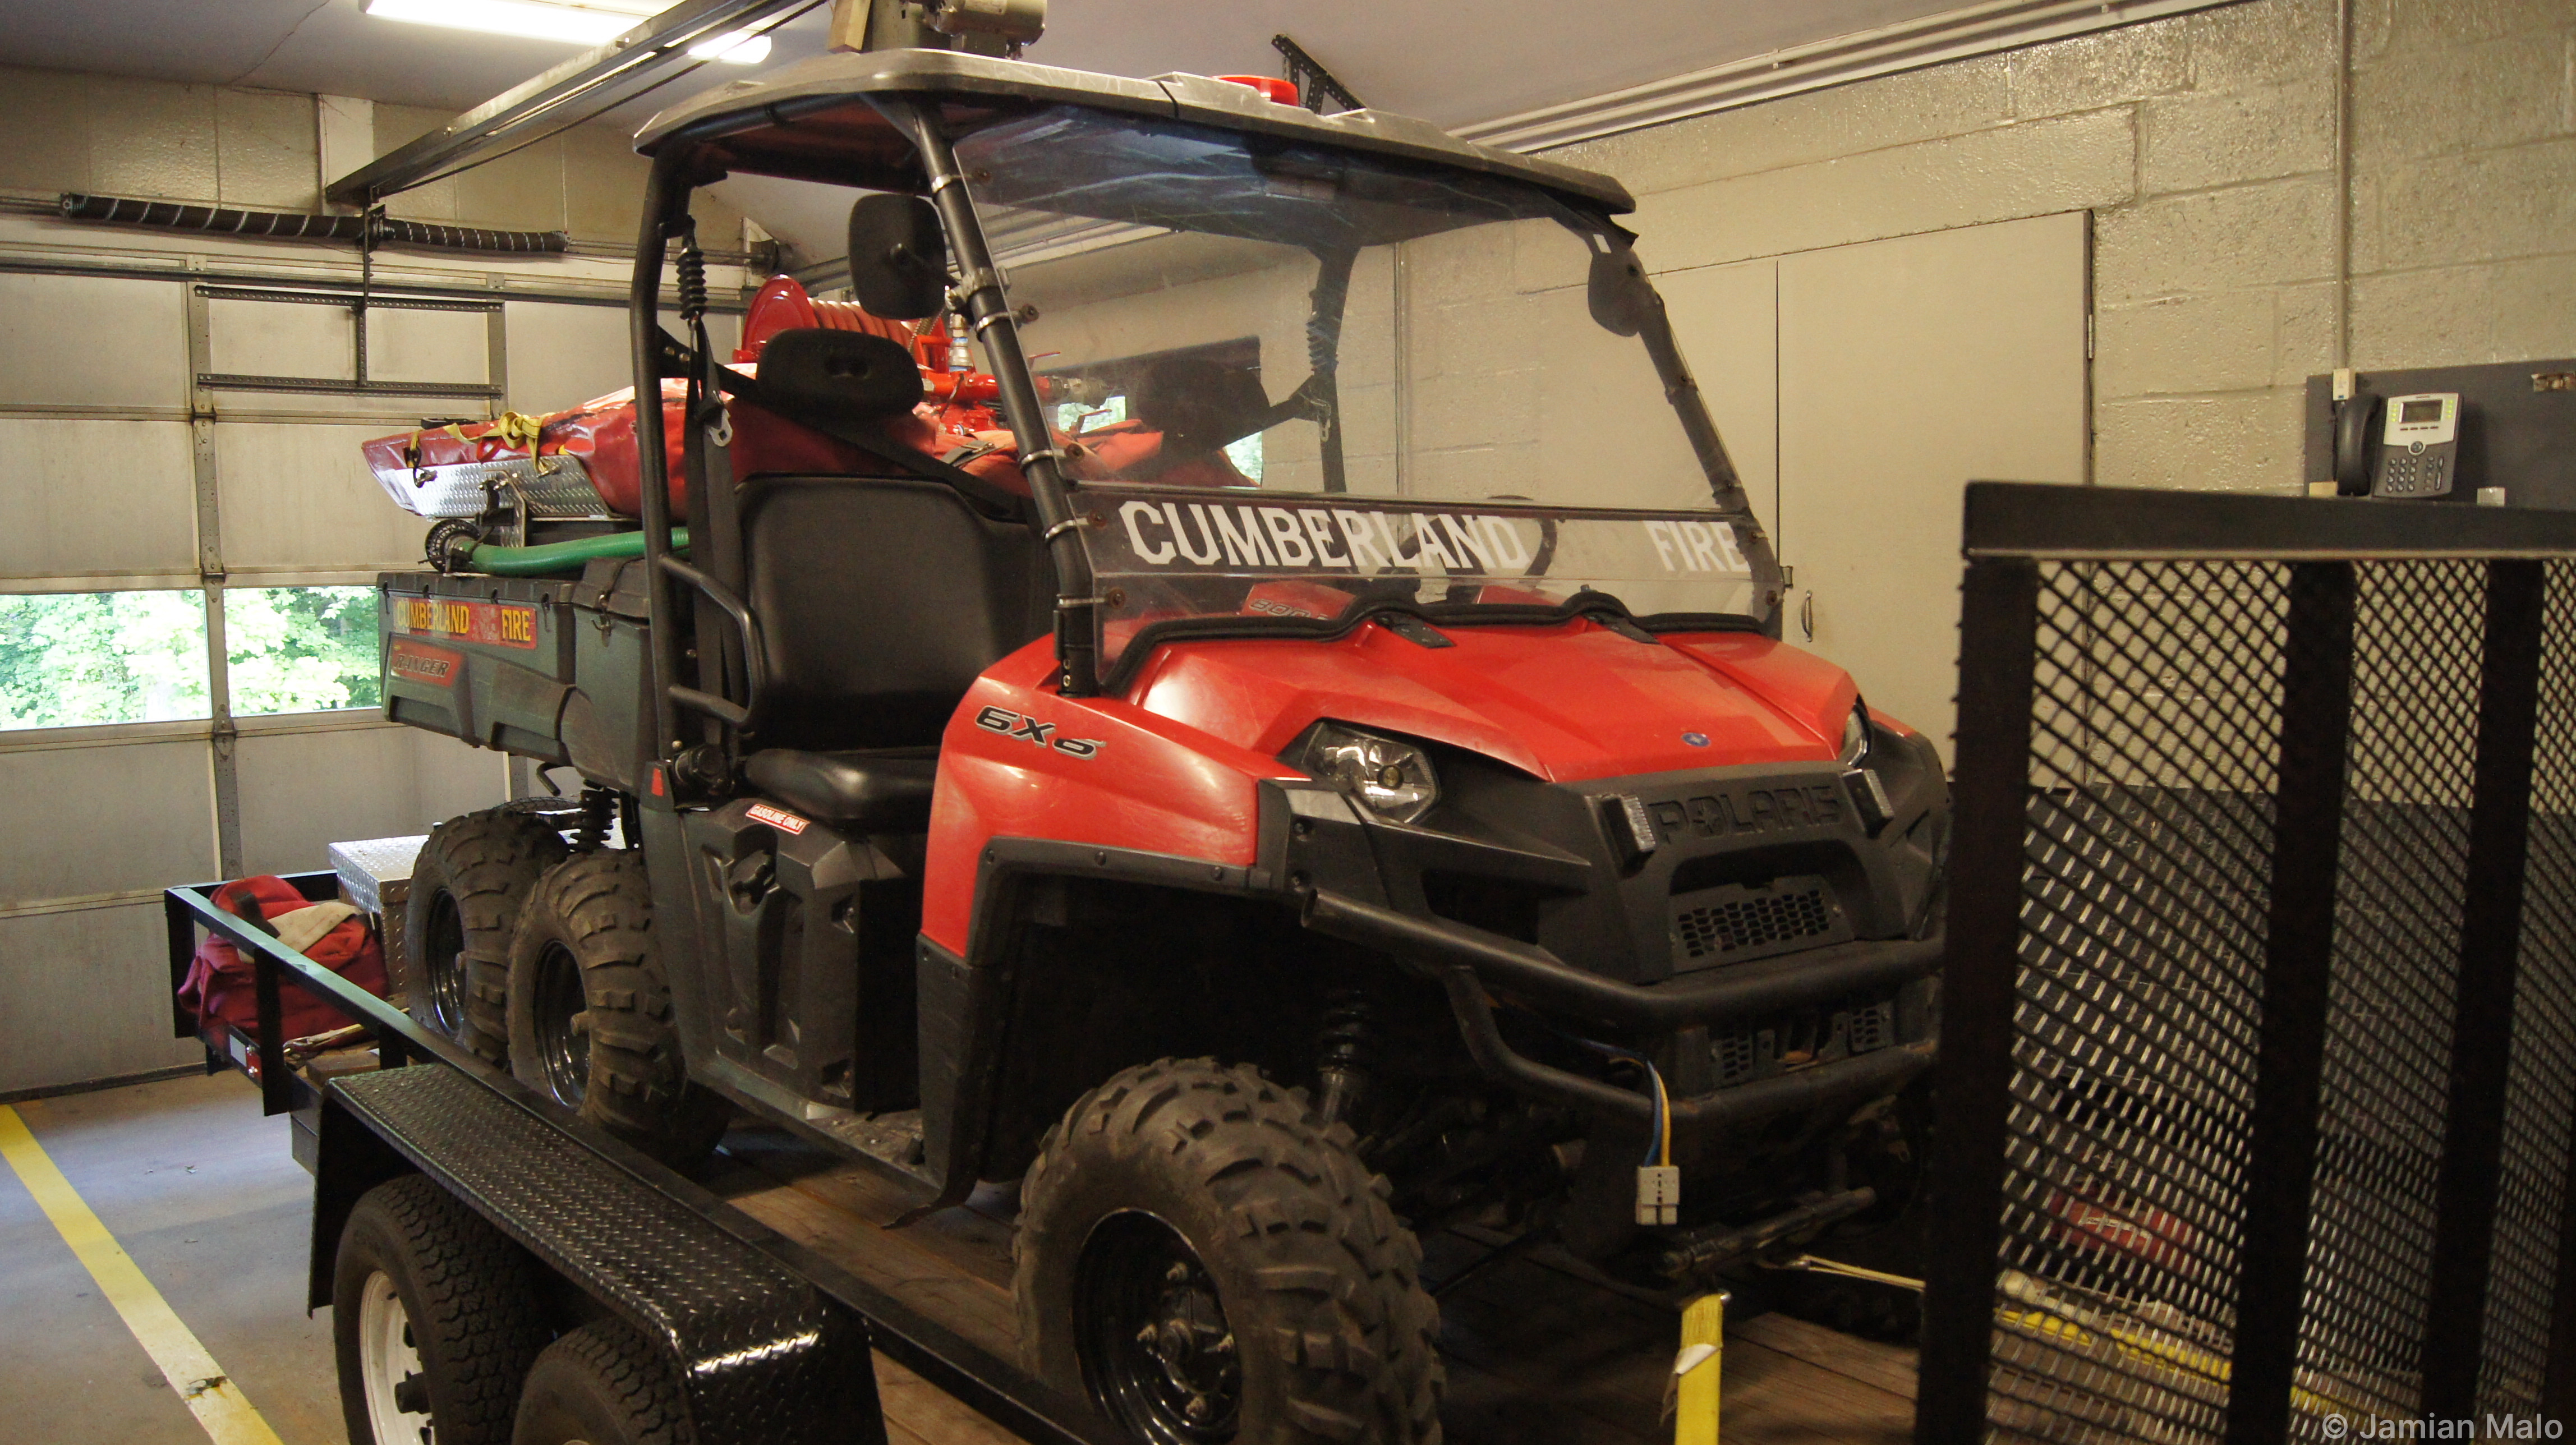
456 1209
1539 1350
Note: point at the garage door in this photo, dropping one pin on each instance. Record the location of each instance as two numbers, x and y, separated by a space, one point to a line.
187 660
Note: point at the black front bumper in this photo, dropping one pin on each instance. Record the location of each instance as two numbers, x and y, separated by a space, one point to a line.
1472 964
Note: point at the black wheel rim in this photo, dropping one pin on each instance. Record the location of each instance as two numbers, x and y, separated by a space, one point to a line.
443 970
1157 1353
563 1047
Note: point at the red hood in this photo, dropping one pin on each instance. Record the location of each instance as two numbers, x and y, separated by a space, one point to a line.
1565 703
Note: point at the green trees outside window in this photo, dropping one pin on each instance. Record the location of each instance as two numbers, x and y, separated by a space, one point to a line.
76 659
301 649
71 659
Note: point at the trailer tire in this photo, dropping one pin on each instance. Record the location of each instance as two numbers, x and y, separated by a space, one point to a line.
1183 1198
602 1384
467 887
419 1271
590 1011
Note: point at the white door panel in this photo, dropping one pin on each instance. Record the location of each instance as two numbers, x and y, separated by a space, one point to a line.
303 791
271 338
94 820
407 345
1907 369
96 498
92 341
86 995
299 496
562 356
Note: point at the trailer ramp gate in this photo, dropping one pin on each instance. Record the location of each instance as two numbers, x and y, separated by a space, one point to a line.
2259 1046
771 1340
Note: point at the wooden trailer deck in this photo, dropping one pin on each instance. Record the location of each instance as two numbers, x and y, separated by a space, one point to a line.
1534 1355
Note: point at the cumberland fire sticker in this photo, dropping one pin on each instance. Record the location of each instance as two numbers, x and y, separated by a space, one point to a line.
489 624
1272 537
1162 554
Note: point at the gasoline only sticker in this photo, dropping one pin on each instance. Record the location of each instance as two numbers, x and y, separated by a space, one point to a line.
784 822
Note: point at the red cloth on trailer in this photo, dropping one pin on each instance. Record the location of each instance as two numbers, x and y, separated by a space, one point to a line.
221 983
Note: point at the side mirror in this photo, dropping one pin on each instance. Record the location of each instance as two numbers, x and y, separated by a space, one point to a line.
898 259
1621 296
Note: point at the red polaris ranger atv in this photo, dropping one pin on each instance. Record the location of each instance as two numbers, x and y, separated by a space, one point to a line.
1293 752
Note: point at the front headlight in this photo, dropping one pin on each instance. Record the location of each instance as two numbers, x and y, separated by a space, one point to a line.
1392 779
1856 735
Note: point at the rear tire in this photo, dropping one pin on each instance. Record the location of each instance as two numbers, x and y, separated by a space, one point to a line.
1206 1260
467 887
590 1011
603 1384
434 1319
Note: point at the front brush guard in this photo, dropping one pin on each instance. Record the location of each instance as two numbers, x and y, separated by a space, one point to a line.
1466 962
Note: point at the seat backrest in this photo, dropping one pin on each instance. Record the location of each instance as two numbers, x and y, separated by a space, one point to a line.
880 600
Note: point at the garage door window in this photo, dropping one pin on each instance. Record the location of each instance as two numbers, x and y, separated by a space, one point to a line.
301 649
79 659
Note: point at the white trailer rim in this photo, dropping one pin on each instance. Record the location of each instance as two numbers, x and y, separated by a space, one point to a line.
387 1357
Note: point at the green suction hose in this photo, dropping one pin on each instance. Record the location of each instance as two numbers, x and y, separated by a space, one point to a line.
556 557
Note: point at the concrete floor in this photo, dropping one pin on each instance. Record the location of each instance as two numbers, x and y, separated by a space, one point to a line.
203 1195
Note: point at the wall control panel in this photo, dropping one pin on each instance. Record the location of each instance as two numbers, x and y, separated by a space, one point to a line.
2419 446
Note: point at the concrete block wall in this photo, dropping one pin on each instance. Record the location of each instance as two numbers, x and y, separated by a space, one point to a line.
261 149
2204 147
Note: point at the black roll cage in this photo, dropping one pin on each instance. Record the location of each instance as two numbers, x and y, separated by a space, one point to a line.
681 166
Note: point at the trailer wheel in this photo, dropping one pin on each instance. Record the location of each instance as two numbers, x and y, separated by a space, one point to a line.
433 1318
603 1384
1208 1261
467 887
590 1011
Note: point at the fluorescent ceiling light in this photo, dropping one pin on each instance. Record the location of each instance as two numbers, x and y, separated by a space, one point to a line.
593 23
734 47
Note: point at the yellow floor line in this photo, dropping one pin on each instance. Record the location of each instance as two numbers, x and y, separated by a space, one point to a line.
210 1394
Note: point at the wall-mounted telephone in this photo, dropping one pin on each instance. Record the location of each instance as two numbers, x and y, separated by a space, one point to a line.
2405 446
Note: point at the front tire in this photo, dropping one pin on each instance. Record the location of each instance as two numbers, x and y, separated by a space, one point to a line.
1208 1261
434 1320
590 1011
467 887
602 1384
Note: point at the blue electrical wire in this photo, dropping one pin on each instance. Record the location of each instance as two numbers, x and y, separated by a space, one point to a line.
1659 1134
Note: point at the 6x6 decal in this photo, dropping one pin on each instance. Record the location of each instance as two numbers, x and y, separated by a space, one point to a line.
1028 729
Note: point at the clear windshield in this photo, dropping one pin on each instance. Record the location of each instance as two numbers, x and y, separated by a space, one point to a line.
1219 311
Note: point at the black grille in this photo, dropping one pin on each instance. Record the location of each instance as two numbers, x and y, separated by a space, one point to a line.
1797 1039
1873 1028
1740 921
2239 892
1738 1056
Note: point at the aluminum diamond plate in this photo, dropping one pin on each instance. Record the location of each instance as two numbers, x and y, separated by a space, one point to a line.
554 487
376 872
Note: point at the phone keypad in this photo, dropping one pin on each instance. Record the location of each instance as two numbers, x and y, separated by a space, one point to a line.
2408 475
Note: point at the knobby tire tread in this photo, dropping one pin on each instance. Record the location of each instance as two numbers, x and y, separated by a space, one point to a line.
489 862
600 907
1342 1304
